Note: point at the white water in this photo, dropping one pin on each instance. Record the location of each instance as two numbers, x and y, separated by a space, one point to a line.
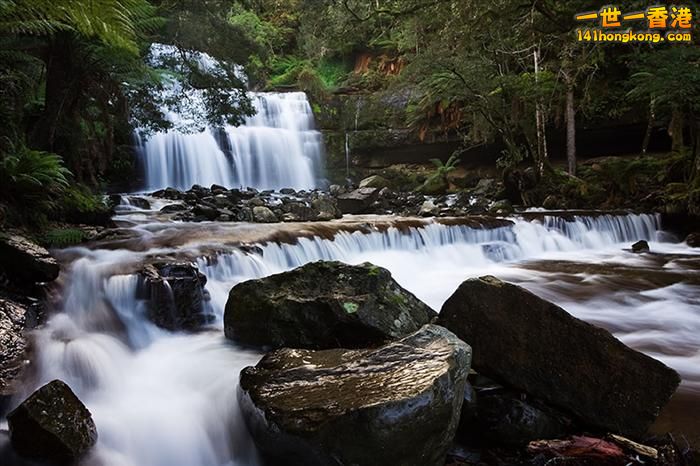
276 148
161 398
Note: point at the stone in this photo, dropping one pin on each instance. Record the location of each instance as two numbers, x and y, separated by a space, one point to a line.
396 404
327 208
375 181
257 202
25 262
551 202
52 425
502 207
693 240
357 201
139 202
173 208
205 211
429 209
496 415
640 246
287 191
176 296
535 346
264 215
323 305
13 345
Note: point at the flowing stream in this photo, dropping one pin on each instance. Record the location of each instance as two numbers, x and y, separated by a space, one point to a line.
169 399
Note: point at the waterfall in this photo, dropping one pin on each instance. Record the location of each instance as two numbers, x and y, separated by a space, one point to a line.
168 399
277 147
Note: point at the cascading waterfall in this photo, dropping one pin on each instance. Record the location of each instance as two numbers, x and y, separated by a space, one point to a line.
277 147
162 398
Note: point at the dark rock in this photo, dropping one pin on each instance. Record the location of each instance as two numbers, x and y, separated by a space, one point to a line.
25 262
176 296
172 208
501 416
693 240
245 214
357 201
551 202
264 215
52 425
206 212
323 305
287 191
336 190
640 246
395 405
139 202
257 202
537 347
502 207
13 345
298 212
218 189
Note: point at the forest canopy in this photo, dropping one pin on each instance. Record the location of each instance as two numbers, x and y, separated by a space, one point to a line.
78 78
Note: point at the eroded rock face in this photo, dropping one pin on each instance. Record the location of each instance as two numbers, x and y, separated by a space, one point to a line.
176 296
323 305
13 344
397 404
52 425
537 347
25 262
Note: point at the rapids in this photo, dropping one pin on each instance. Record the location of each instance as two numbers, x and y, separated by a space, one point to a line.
169 399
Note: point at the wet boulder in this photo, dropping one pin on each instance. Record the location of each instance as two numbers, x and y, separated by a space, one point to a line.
52 425
25 262
693 240
397 404
537 347
13 345
175 294
357 201
323 305
640 246
326 206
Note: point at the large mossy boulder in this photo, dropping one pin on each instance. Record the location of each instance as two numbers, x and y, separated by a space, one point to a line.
175 296
324 305
25 262
13 344
537 347
397 404
52 425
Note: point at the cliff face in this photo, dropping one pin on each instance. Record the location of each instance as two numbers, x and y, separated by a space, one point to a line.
371 130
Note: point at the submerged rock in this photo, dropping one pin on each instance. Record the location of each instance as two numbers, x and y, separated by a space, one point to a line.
52 425
176 296
13 344
357 201
25 262
536 346
323 305
640 246
397 404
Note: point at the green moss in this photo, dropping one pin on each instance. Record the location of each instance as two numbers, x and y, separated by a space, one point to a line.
350 308
374 271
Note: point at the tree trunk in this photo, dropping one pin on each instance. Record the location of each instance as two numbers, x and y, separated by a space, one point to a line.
650 127
675 130
540 124
570 130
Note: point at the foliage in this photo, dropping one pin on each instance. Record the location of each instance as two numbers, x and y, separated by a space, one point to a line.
436 183
62 237
32 178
